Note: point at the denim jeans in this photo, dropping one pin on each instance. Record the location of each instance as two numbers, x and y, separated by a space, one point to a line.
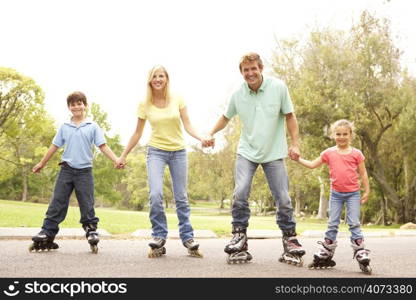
353 206
277 179
157 160
69 179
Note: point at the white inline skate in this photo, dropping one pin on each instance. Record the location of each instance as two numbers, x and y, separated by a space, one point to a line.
362 256
237 247
323 258
292 249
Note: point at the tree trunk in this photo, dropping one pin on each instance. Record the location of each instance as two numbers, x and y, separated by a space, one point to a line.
24 181
409 199
323 201
377 172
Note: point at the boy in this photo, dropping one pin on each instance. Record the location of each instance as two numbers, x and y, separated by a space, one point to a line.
77 134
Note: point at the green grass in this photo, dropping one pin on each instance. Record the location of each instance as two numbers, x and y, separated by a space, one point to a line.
207 216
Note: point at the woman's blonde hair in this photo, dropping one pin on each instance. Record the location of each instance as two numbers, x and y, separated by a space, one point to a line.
342 123
149 94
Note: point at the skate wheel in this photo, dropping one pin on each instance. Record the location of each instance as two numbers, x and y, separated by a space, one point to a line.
153 253
94 249
195 253
31 247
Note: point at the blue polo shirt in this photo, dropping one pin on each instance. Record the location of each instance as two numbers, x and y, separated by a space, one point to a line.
262 114
78 142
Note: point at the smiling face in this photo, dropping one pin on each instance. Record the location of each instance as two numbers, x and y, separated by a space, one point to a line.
342 136
159 80
251 72
77 109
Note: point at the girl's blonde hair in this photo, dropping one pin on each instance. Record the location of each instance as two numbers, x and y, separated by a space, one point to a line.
342 123
149 93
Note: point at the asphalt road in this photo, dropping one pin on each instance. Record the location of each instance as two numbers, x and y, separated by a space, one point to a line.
391 257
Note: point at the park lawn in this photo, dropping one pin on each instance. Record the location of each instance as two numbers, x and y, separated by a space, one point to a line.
27 214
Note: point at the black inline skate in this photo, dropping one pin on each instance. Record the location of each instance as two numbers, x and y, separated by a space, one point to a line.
92 236
43 242
323 258
157 248
292 249
362 256
237 247
193 248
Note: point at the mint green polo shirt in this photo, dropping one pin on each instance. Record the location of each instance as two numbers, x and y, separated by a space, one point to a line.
262 114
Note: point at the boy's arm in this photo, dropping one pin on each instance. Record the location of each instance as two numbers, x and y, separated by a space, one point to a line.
310 164
364 179
108 152
51 151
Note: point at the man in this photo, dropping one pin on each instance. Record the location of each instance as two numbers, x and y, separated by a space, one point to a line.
263 105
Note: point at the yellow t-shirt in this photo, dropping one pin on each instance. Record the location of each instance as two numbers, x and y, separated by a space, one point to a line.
166 124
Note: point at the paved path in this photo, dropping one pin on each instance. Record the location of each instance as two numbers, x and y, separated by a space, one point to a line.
391 257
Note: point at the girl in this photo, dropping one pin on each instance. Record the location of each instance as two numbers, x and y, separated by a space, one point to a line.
344 161
166 114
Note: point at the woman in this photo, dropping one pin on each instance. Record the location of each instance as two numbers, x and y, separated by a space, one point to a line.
166 114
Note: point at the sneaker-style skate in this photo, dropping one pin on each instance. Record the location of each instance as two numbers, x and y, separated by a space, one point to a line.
43 242
92 237
193 248
237 247
362 256
292 249
323 258
157 248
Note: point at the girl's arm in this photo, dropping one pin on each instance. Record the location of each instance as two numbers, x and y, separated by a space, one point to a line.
132 142
190 129
311 164
364 179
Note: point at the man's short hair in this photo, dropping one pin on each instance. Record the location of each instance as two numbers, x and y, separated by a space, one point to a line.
251 57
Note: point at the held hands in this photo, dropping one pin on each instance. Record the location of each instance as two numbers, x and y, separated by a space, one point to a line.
120 163
294 152
208 141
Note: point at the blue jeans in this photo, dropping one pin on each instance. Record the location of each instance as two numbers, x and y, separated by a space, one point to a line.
277 179
69 179
353 206
157 160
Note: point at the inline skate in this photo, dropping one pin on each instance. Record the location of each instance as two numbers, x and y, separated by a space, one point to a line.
193 248
92 236
157 248
292 249
361 255
42 242
323 258
237 247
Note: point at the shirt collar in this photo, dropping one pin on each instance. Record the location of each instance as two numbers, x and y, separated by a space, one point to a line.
261 88
83 123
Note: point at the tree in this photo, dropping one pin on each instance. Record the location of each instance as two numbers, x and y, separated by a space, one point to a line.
108 179
356 76
17 93
25 126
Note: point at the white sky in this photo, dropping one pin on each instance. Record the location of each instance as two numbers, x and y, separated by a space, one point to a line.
106 47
